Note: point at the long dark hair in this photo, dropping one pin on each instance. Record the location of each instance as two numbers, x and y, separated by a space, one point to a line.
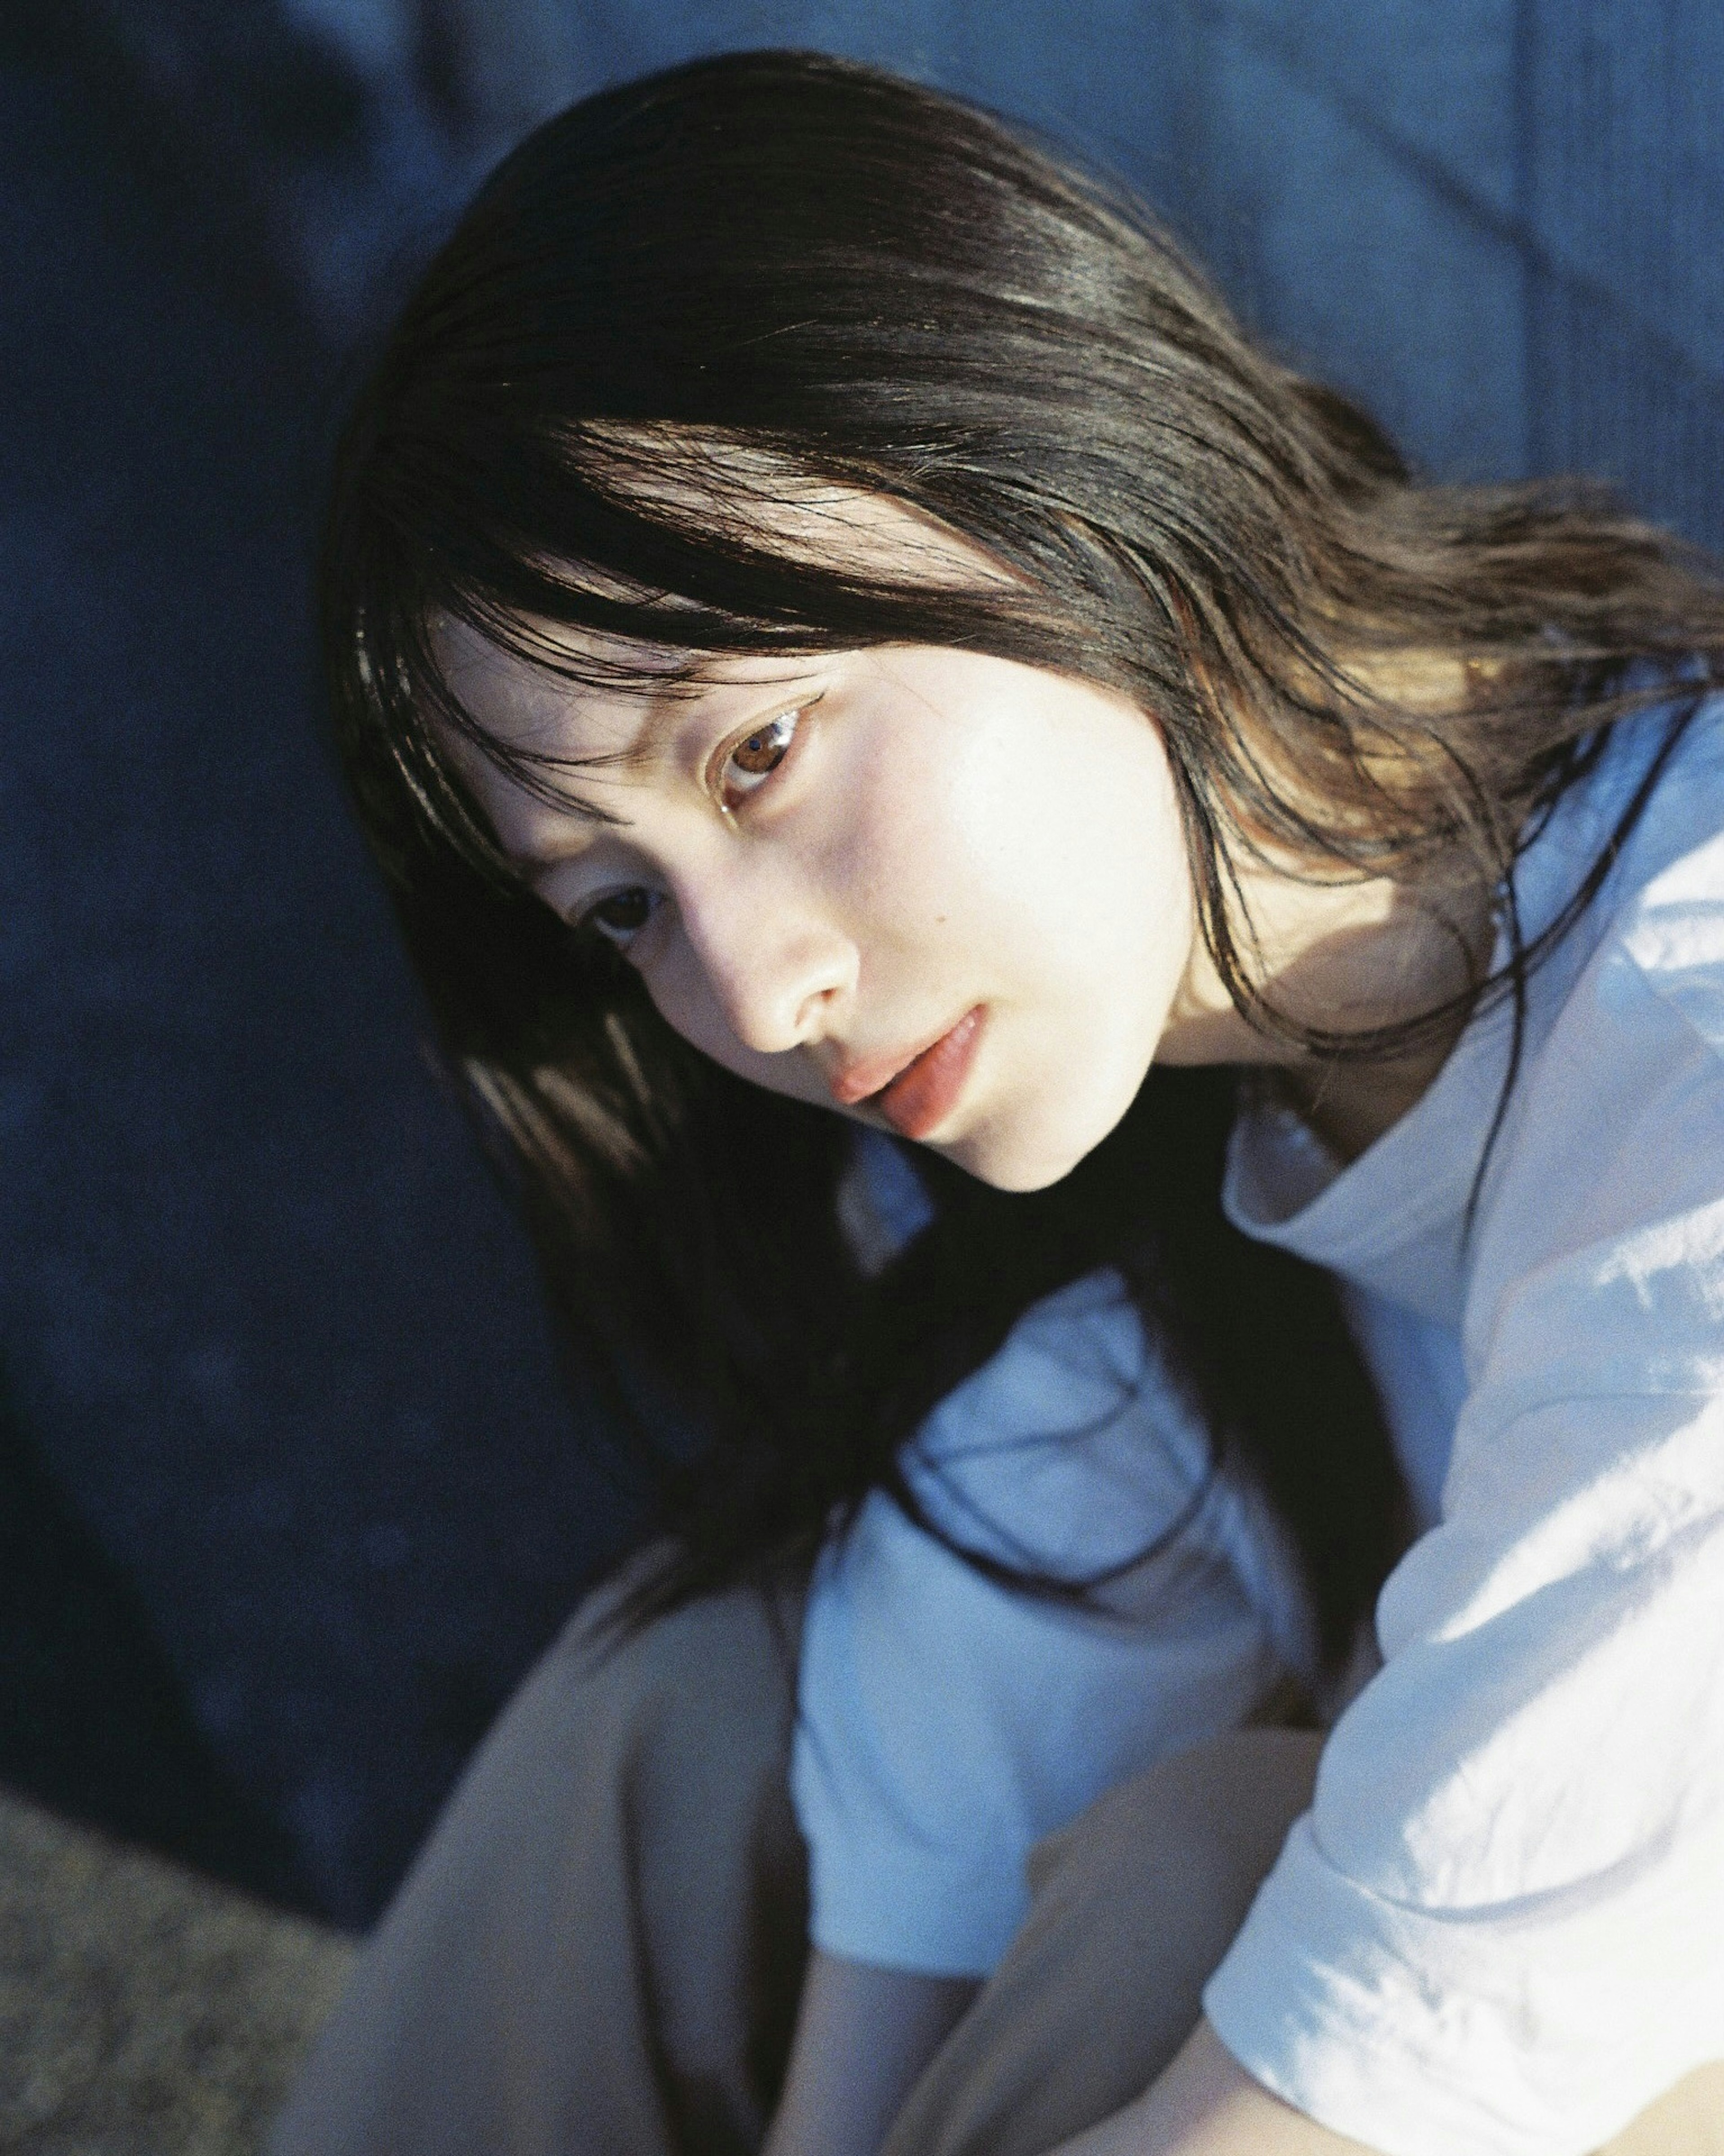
673 309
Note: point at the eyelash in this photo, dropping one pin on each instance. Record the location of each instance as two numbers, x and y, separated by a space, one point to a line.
620 934
790 720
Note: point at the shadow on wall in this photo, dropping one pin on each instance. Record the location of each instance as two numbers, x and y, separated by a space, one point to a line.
93 1722
269 1327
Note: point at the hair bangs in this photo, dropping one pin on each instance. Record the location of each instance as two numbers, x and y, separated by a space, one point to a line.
625 558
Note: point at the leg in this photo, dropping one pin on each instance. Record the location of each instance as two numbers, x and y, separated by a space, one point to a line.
1151 1883
1133 1905
600 1948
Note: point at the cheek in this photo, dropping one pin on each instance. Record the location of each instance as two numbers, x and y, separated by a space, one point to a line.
946 845
1111 859
1058 858
1031 853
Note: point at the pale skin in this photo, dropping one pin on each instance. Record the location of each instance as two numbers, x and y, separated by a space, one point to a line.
821 866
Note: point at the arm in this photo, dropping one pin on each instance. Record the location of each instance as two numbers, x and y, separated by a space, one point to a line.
863 2035
1496 1927
946 1723
1206 2104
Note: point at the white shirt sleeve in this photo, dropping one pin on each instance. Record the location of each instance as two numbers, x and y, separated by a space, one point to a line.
947 1722
1501 1929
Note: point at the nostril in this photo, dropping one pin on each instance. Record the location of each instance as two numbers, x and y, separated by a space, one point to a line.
814 1009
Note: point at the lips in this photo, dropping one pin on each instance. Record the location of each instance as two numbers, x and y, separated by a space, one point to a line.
915 1098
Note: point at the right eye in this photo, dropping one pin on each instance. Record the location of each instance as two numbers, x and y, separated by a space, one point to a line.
620 915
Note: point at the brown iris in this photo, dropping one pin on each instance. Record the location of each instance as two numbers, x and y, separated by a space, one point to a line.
759 754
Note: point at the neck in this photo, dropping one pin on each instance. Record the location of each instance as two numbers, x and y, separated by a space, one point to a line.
1339 958
1351 1105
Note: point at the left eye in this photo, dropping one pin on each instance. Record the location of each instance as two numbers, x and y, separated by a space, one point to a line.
754 758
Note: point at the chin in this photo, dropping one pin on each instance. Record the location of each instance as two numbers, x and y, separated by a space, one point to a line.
1019 1161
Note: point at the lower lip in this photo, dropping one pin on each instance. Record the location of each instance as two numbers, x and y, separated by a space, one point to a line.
924 1092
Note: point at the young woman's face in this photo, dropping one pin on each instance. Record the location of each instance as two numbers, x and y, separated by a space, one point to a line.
939 892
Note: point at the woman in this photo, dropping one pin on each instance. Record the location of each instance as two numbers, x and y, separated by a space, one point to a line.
826 611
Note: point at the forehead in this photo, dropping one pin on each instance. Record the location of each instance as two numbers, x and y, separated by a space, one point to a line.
537 739
564 693
557 675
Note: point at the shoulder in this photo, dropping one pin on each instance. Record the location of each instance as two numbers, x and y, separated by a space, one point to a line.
1072 1447
1079 1353
1656 973
1670 929
1643 969
1672 856
1598 1248
1076 1454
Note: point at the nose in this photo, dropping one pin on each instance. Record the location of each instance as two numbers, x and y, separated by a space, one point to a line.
774 962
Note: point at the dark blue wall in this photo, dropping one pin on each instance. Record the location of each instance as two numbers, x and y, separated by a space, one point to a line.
260 1313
